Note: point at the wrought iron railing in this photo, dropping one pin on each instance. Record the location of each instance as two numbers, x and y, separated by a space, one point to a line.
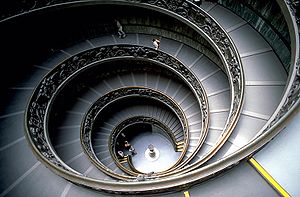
44 95
93 114
165 131
187 13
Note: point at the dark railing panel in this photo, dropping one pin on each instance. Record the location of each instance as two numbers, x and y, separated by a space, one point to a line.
187 13
94 113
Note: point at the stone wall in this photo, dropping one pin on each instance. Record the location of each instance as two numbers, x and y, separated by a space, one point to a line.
267 18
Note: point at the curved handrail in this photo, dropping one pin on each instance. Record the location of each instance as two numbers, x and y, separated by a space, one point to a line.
221 41
108 99
142 119
51 84
223 46
276 123
291 95
133 120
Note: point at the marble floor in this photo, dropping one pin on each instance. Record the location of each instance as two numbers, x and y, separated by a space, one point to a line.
167 156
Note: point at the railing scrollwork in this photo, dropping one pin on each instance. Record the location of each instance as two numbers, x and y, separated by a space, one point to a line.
94 113
39 107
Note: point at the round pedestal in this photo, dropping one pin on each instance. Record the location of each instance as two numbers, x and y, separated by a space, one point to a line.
150 156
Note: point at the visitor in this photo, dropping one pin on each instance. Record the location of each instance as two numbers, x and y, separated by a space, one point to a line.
121 154
156 43
121 33
132 151
127 145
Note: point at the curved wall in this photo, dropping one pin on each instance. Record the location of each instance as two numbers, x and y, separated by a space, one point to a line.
267 18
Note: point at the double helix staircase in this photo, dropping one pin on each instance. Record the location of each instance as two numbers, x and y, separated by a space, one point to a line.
206 103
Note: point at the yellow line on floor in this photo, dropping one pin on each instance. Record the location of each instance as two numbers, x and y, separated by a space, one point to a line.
268 177
186 194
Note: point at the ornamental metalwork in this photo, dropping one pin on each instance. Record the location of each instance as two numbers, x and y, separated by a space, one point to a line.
37 108
140 119
185 12
292 94
216 36
93 115
292 98
294 7
166 131
44 94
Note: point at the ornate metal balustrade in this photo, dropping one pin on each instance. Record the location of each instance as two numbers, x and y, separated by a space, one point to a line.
217 37
94 113
116 132
291 97
184 11
285 110
36 115
44 95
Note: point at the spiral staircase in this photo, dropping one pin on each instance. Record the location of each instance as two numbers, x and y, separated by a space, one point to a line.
213 111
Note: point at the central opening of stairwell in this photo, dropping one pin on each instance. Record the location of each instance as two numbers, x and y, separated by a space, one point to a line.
151 150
